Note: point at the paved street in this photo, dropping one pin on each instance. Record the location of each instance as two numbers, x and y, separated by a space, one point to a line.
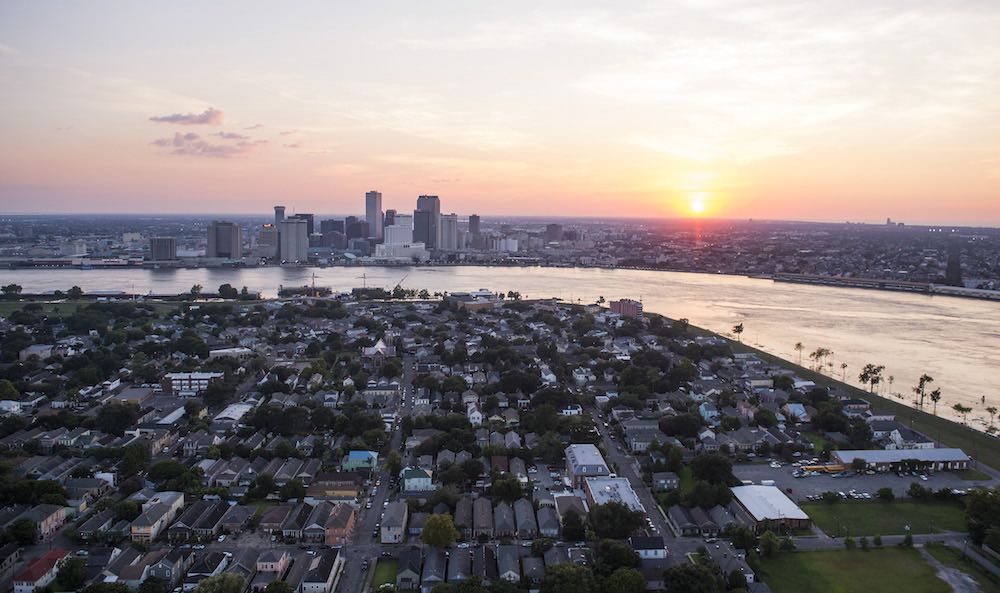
628 467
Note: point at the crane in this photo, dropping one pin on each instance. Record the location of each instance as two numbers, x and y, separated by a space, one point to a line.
364 280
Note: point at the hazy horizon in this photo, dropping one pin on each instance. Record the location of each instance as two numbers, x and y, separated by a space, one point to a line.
731 109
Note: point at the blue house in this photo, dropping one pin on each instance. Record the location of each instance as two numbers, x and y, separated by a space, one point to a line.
359 460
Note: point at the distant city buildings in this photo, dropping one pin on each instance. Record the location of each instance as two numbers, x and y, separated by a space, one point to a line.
431 233
225 240
163 248
294 240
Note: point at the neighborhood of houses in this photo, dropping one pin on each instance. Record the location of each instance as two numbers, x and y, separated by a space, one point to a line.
473 437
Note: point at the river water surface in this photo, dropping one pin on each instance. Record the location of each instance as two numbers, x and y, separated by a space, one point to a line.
955 340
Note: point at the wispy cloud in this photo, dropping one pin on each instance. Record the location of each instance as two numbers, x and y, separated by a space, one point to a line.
191 144
254 127
211 117
231 136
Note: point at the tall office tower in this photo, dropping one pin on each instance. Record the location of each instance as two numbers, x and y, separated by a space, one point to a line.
358 230
330 225
349 221
431 204
400 233
373 213
422 227
267 241
225 240
310 221
162 248
473 224
449 232
294 240
953 270
389 218
279 215
553 232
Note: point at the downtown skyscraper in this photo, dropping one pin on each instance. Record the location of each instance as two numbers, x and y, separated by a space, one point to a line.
427 221
373 214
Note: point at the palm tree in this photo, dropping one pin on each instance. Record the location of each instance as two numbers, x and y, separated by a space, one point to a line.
963 410
843 372
992 411
921 387
871 375
892 379
799 348
935 397
738 330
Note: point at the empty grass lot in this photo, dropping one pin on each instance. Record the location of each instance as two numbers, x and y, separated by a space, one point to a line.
888 570
953 558
857 518
385 572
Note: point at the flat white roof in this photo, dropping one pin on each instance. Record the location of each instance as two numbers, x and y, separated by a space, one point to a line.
897 455
766 503
586 459
605 490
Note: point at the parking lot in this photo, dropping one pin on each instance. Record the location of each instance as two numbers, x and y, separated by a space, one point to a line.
800 489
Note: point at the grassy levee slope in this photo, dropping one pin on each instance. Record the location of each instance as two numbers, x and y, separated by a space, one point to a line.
976 444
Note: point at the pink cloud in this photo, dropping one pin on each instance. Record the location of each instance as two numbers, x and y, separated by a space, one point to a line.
191 144
211 117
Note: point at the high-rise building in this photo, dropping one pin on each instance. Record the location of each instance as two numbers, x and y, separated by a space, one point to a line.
373 213
279 215
953 269
294 240
225 240
162 248
389 218
310 221
358 230
431 204
422 226
553 232
331 225
267 241
448 236
473 224
400 233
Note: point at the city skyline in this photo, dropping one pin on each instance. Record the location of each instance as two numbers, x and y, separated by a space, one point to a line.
728 110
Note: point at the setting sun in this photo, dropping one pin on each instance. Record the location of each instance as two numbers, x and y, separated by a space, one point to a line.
697 204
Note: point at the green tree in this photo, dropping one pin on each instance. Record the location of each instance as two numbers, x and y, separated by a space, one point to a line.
393 463
568 578
690 578
75 293
612 555
226 582
72 574
8 391
614 520
292 489
23 531
849 543
736 580
625 580
11 290
227 291
135 458
738 330
885 494
769 544
154 585
107 588
439 531
278 587
573 528
195 291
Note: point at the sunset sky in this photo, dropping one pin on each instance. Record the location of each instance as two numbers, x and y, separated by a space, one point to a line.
813 110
